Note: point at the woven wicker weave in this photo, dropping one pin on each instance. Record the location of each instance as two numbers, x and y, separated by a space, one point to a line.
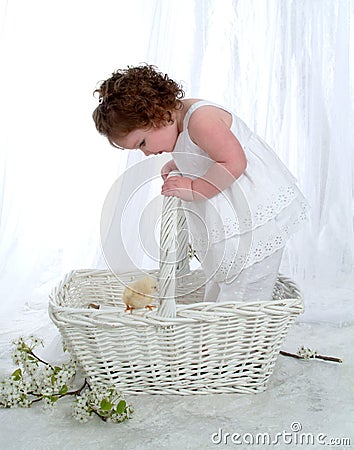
191 347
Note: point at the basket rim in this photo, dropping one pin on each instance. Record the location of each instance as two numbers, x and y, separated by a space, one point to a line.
185 313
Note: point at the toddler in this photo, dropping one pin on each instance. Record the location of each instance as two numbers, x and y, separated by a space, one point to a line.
241 202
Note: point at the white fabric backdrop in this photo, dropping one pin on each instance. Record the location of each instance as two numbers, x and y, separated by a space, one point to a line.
283 66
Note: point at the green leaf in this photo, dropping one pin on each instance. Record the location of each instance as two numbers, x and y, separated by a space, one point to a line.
53 398
52 378
121 407
57 369
106 405
63 390
17 375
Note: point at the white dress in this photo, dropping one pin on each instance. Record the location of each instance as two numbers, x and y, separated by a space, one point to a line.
251 219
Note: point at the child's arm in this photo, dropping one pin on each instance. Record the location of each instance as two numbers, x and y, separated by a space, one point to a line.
208 128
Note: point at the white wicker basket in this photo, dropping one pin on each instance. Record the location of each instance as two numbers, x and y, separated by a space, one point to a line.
193 347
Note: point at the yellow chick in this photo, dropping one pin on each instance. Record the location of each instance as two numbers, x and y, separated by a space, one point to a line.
139 294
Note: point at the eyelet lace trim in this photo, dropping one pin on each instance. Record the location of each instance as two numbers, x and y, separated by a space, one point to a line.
232 263
253 219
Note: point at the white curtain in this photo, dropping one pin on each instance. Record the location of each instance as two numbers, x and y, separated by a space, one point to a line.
283 65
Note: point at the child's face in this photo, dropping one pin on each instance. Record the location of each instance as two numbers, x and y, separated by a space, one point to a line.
152 141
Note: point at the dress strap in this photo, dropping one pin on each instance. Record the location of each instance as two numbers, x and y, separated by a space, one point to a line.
197 105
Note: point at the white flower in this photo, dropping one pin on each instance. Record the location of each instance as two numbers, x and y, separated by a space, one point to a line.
306 353
35 379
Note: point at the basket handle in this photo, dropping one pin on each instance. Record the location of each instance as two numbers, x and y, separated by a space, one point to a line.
174 259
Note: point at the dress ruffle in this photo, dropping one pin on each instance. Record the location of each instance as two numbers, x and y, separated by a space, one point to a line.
226 258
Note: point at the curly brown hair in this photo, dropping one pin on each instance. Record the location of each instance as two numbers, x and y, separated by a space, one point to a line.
133 98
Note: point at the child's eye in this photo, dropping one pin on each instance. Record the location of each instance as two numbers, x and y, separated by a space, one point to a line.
142 143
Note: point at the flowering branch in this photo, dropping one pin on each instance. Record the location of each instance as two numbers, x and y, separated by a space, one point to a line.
307 353
39 359
37 380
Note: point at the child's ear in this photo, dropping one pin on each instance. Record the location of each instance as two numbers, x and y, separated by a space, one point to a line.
170 118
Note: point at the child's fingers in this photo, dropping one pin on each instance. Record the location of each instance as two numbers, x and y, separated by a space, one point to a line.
172 180
167 189
170 193
168 186
165 172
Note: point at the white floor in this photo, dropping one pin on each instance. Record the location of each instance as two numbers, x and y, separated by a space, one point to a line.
316 396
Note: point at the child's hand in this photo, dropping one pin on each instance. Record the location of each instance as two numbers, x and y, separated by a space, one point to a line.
180 187
167 168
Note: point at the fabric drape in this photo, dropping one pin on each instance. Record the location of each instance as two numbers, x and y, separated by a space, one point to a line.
284 67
